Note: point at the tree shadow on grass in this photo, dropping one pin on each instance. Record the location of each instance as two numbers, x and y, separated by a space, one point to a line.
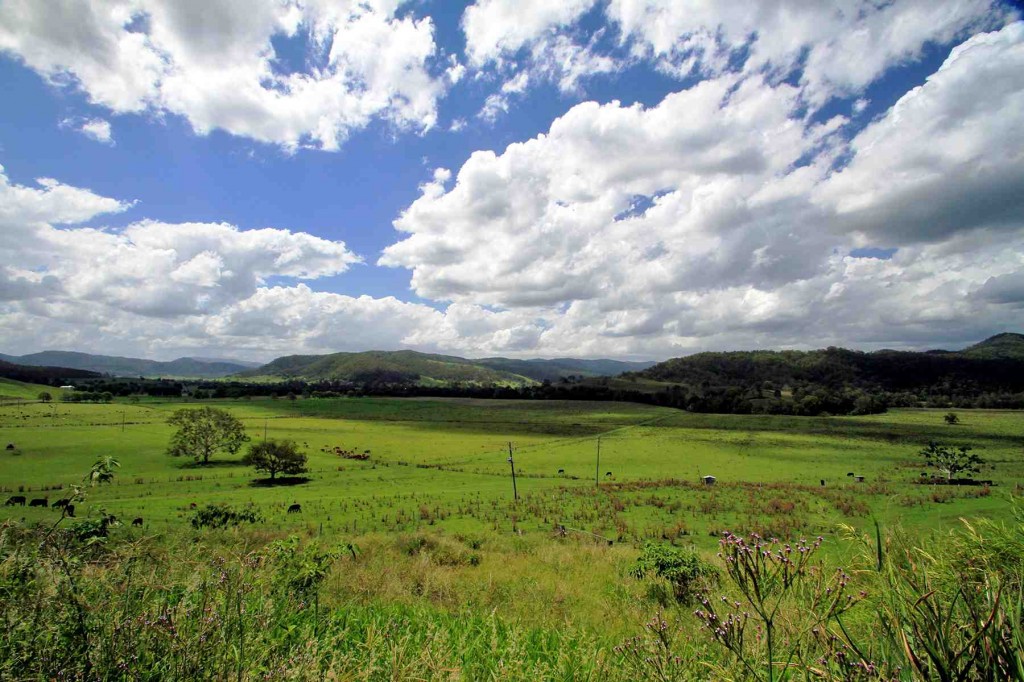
280 481
212 464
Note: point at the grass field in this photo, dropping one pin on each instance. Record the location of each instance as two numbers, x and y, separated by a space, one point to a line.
440 551
443 463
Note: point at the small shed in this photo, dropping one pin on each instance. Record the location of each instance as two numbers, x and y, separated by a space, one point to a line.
67 388
708 480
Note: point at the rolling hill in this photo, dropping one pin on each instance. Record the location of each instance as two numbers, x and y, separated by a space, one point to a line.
404 366
995 364
41 374
408 366
130 367
1005 346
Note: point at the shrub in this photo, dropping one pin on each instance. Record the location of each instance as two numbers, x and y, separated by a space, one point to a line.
222 516
685 571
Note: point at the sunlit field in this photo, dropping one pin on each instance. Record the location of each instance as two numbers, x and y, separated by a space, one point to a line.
444 464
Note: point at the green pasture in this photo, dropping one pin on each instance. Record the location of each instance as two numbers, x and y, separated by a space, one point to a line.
443 463
19 390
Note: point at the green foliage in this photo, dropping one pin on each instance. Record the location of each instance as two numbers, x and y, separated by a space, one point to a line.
951 418
203 432
276 457
102 470
686 572
951 460
222 516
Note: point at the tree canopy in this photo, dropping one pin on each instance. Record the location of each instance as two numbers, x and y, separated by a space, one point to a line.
276 457
204 432
952 460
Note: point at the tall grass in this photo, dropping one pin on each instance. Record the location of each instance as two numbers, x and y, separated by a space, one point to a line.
245 604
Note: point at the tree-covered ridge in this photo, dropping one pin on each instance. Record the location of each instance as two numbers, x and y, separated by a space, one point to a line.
986 370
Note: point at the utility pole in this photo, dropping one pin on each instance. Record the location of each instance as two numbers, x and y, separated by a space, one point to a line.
515 492
597 468
264 429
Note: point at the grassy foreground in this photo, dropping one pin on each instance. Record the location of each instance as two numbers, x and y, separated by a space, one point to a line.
418 564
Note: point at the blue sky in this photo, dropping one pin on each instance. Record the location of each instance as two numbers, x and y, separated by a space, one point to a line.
591 178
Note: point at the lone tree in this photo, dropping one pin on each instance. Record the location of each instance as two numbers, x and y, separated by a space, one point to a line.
276 457
45 396
952 460
202 433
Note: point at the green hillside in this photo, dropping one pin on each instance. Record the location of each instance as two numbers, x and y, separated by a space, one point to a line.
9 388
405 366
995 365
1006 346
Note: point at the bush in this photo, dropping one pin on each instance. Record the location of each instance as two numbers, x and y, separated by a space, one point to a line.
222 516
686 572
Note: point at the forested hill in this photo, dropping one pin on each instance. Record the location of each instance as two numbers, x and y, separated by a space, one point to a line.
994 366
383 367
42 374
412 367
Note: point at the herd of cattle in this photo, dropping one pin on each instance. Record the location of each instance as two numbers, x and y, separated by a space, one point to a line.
65 504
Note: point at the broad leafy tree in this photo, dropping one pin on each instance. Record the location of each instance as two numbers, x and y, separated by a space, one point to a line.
951 460
204 432
276 457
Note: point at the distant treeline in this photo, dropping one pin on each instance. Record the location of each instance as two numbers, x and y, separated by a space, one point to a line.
831 381
765 398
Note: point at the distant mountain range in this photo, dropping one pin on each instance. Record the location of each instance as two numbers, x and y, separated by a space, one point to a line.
406 366
995 364
130 367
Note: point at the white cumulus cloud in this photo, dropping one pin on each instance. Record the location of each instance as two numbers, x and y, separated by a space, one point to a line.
214 62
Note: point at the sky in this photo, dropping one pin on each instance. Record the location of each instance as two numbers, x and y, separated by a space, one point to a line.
634 179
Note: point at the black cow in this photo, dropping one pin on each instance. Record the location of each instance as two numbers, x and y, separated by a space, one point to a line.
823 482
10 446
295 508
70 510
15 499
561 471
40 502
608 473
137 521
63 502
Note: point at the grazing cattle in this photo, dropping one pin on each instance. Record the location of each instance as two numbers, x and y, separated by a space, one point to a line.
137 521
850 473
608 473
295 509
10 446
561 471
40 502
193 505
70 509
823 483
15 499
63 502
